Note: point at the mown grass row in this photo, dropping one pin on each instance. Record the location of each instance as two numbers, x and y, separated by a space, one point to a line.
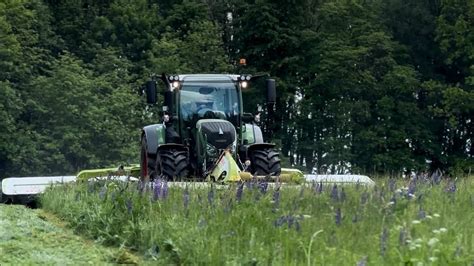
419 221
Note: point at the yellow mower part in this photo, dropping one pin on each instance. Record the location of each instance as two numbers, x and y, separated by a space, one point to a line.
133 170
225 170
287 175
246 176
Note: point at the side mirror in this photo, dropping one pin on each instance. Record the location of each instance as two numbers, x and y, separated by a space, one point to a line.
169 100
150 90
271 91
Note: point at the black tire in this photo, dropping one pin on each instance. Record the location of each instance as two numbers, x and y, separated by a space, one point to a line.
147 162
172 164
265 162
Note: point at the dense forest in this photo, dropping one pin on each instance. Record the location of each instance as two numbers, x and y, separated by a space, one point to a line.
365 86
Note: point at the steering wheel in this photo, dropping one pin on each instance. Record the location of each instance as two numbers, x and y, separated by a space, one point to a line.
205 113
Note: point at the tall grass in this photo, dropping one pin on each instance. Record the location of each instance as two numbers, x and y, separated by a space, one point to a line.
396 222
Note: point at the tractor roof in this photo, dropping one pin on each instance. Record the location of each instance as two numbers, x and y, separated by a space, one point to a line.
208 77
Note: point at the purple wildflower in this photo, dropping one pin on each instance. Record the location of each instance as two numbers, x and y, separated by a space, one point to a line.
141 186
263 187
90 187
451 187
276 198
338 216
411 188
250 184
436 177
290 220
381 194
334 193
301 192
210 195
164 192
157 189
186 197
383 241
392 185
364 197
240 191
362 261
393 200
228 206
102 192
320 187
129 206
342 195
421 214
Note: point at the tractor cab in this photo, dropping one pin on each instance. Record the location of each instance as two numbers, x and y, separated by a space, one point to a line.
212 100
203 122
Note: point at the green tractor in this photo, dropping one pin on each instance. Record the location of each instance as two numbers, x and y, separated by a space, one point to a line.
203 132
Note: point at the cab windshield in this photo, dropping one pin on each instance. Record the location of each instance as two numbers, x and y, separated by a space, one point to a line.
207 99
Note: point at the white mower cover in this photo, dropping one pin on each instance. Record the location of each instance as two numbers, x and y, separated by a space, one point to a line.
31 185
341 179
34 185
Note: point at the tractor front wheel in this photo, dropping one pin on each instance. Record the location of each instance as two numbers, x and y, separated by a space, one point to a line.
172 164
265 162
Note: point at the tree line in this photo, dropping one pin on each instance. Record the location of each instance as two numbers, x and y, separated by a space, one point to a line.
365 86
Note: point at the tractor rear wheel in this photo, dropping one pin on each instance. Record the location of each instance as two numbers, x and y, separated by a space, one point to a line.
265 162
147 162
172 164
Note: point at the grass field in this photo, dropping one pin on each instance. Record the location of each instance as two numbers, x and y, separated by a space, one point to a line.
33 237
417 222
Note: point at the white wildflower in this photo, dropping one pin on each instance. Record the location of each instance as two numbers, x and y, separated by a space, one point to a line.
443 230
436 215
433 241
415 222
429 217
436 231
433 259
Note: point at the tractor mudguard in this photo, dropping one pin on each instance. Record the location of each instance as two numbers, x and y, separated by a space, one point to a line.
155 136
252 134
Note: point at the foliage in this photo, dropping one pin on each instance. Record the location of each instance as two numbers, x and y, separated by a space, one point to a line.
422 220
368 87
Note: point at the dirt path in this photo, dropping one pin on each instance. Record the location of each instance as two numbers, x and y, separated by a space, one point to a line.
29 237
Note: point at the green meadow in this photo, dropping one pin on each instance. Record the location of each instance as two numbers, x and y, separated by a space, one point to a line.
414 222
